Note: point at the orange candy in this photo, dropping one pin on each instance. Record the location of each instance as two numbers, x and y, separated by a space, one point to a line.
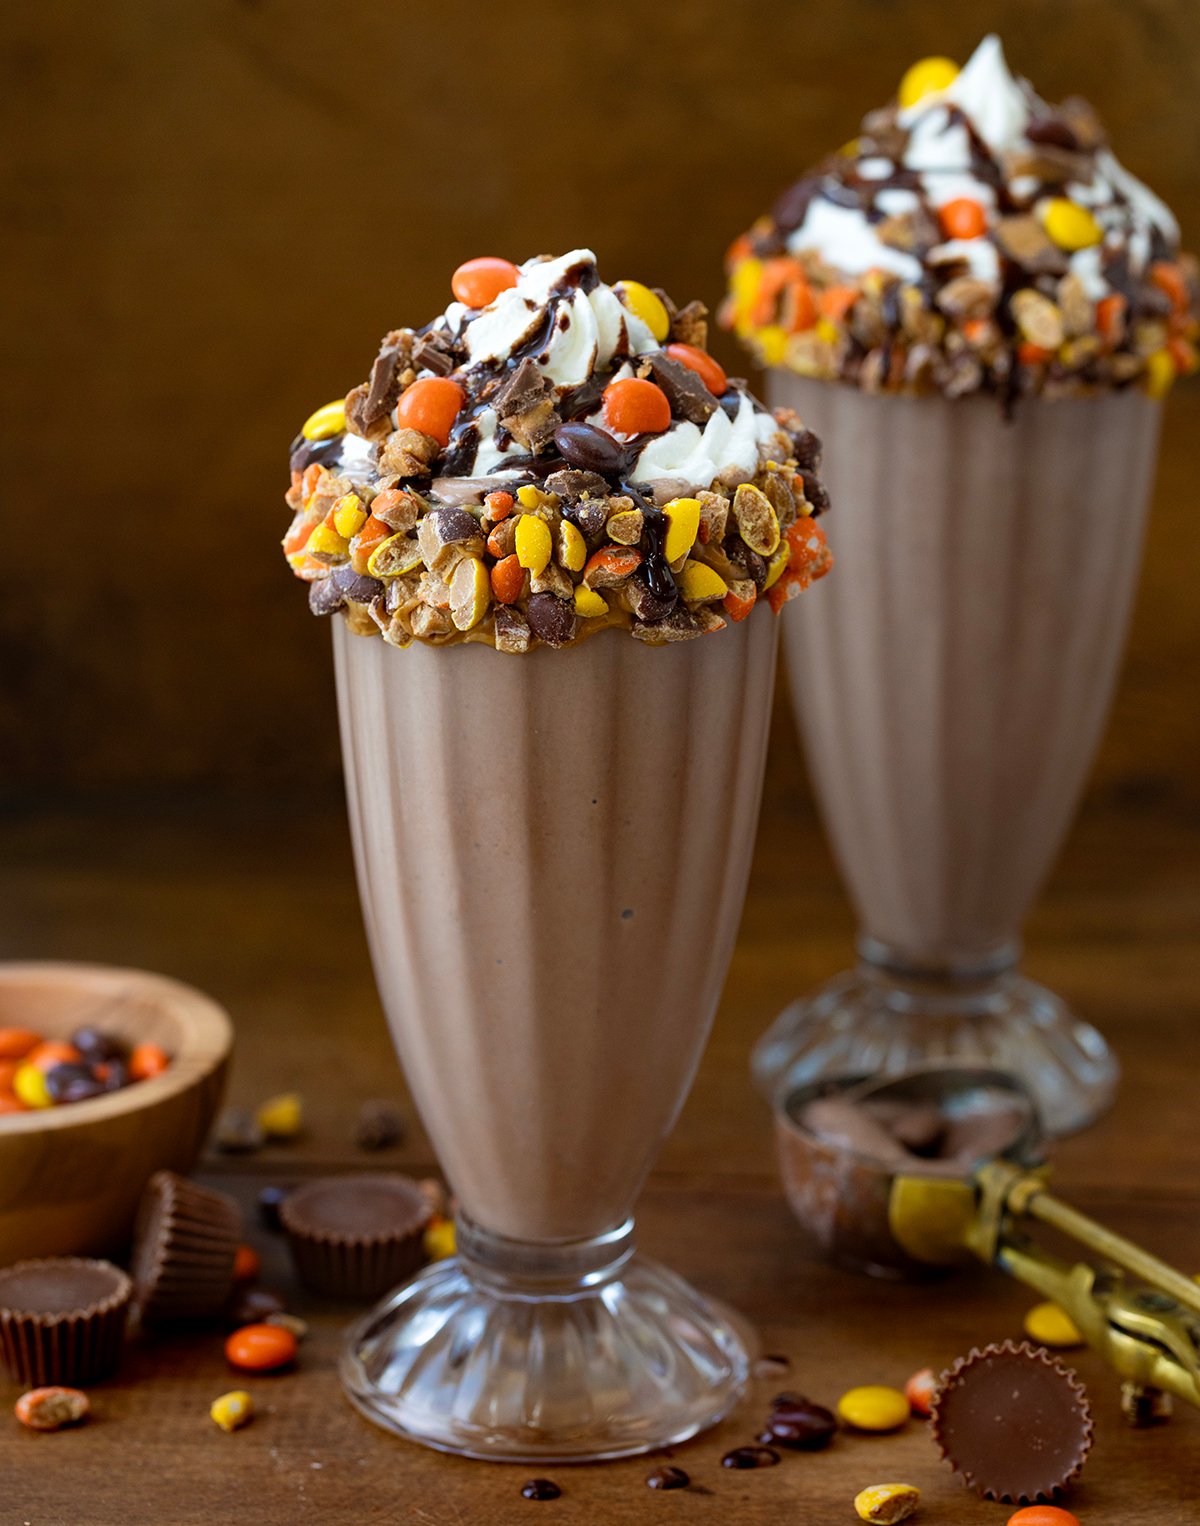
1108 314
963 218
920 1391
1043 1515
1169 279
246 1264
479 282
634 406
737 609
11 1104
508 578
705 367
431 405
498 505
1030 354
53 1052
147 1060
799 311
260 1348
15 1043
836 301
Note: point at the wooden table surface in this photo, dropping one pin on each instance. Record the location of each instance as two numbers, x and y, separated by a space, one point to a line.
256 904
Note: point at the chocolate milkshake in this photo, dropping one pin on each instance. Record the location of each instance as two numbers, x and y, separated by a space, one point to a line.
979 310
553 816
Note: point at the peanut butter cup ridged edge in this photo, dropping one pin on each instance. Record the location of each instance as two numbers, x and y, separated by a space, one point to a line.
336 1260
75 1346
986 1472
185 1244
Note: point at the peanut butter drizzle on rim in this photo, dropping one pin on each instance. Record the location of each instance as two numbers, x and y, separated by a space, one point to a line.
550 464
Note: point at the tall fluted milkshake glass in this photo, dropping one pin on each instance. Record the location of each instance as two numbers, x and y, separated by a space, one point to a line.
553 793
951 684
978 309
551 900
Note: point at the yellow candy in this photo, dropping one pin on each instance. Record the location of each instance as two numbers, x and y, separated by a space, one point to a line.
626 528
281 1117
530 497
589 604
683 525
1159 376
328 541
533 542
827 331
393 557
886 1504
572 548
349 516
874 1408
1049 1325
470 593
643 304
232 1410
440 1240
29 1085
1070 225
772 342
777 566
326 422
929 76
744 284
699 583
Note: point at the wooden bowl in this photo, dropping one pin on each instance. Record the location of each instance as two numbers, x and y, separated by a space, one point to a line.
71 1176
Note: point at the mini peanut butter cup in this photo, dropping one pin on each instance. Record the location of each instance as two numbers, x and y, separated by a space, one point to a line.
1013 1422
355 1237
62 1320
184 1245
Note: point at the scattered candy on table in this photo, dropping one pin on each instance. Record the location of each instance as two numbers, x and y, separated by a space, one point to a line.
232 1410
798 1424
260 1348
920 1390
887 1504
247 1264
281 1117
38 1073
873 1408
440 1240
49 1409
1043 1515
1049 1325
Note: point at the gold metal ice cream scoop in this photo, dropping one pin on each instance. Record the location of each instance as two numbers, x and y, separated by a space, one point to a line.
1141 1315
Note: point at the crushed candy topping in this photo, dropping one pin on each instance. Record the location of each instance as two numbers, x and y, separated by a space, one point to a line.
972 238
562 459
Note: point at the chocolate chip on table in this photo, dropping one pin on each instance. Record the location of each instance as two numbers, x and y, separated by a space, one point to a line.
668 1478
751 1457
252 1306
540 1489
590 449
380 1126
771 1365
800 1425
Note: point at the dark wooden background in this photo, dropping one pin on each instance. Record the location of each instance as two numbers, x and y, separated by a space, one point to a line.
212 209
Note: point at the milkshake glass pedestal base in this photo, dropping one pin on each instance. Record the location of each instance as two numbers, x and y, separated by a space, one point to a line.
552 854
544 1353
884 1017
951 681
